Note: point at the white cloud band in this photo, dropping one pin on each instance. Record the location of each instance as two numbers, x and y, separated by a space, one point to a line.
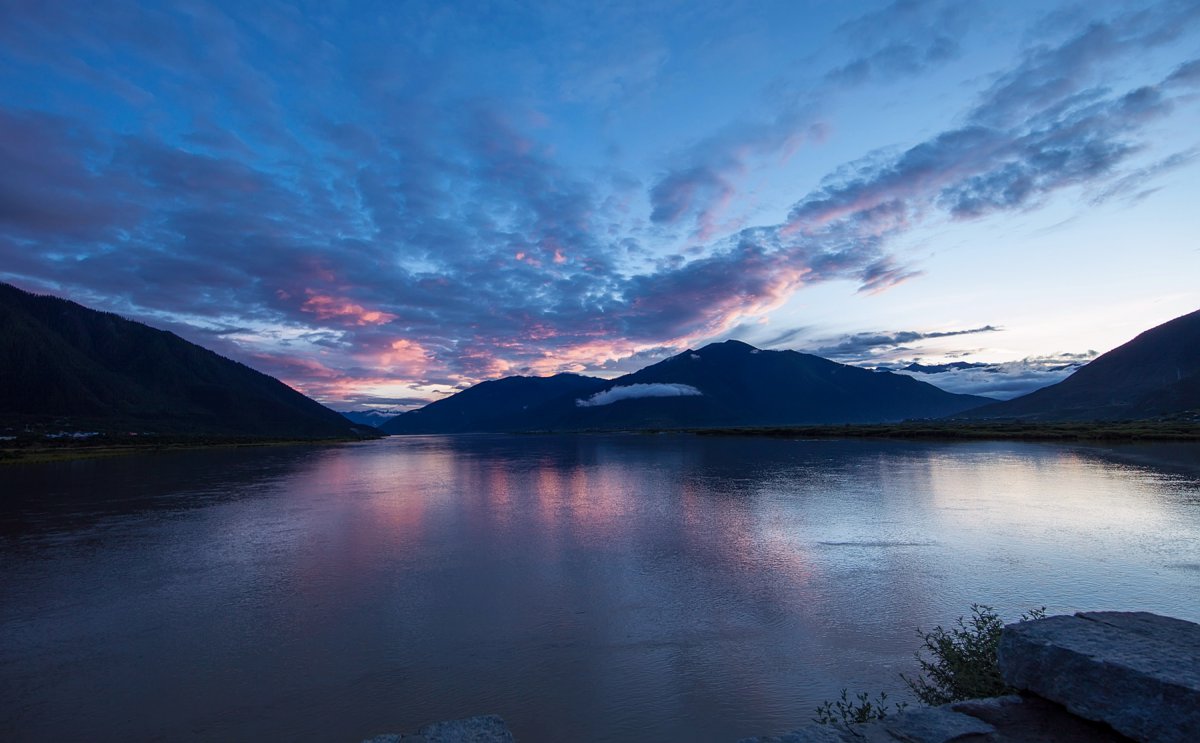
632 391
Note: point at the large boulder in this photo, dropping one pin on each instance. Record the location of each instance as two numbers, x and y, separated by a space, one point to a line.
1010 719
1136 672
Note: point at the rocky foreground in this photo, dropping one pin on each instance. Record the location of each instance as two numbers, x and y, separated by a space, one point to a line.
481 729
1095 677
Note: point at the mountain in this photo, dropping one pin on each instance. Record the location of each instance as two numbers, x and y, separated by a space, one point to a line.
369 417
943 368
507 404
740 385
722 384
64 366
1157 374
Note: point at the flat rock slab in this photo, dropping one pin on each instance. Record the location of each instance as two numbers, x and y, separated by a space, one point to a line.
480 729
1010 719
934 725
808 734
1135 671
921 725
1035 720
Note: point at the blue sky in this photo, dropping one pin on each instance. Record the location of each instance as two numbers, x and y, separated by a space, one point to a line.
382 202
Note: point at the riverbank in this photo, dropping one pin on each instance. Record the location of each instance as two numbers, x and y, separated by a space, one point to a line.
1117 431
32 451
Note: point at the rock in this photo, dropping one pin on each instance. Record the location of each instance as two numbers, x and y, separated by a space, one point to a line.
480 729
808 734
934 725
1035 720
921 725
1137 672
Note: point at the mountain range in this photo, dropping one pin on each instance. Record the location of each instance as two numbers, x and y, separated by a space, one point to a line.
721 384
1156 375
66 367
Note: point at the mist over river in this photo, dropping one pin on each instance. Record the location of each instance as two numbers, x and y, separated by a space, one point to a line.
586 588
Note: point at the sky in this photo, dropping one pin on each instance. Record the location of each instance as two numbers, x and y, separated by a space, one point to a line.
382 203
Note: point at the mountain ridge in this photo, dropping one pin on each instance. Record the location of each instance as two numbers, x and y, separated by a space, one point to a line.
730 383
1155 374
66 365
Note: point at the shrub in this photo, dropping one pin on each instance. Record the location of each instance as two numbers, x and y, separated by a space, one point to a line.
846 714
956 664
961 662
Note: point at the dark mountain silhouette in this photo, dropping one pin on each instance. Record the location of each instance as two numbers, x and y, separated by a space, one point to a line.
722 384
67 366
511 403
1157 374
943 368
369 417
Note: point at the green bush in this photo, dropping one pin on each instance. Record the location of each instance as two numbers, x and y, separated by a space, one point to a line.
846 714
956 664
960 662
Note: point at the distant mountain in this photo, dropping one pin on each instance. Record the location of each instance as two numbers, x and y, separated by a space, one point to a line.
369 417
511 403
67 367
722 384
953 366
1157 374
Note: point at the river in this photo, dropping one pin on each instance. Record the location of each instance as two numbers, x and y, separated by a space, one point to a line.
586 588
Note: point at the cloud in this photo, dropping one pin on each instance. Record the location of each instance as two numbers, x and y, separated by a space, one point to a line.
701 180
1002 381
861 347
693 191
1049 76
905 37
884 274
1134 185
635 391
1187 74
895 351
388 228
343 310
49 186
974 171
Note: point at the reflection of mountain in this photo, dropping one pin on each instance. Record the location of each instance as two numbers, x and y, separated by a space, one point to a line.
722 384
1154 375
67 366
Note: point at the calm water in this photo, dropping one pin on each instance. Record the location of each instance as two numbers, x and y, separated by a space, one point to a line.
589 588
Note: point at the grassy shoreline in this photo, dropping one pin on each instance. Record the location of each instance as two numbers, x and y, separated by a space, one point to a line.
35 451
1117 431
29 451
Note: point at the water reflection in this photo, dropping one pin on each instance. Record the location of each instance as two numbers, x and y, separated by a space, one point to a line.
600 588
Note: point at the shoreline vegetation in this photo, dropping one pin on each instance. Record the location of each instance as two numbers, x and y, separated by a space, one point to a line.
1108 431
31 449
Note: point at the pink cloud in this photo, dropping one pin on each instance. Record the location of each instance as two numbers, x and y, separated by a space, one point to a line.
327 307
405 358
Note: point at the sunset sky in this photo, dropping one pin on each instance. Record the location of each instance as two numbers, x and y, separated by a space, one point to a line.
383 202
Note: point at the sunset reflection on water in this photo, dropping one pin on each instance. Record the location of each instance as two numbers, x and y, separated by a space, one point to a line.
598 587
